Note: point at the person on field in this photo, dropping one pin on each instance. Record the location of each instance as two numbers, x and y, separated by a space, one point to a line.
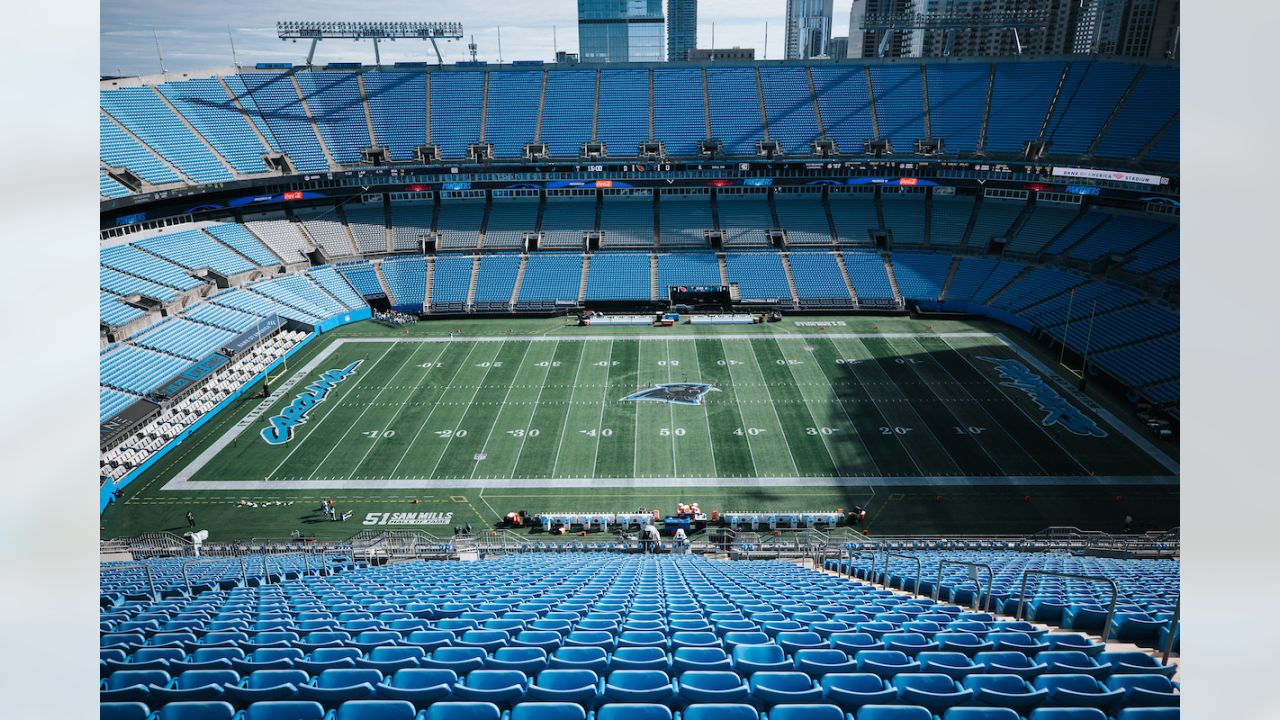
191 520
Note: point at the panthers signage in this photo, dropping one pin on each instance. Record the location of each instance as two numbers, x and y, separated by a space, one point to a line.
1058 411
675 393
282 425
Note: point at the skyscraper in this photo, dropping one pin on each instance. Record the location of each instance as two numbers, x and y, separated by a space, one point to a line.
682 28
808 28
620 30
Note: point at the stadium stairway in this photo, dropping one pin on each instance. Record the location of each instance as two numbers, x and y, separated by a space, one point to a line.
515 289
582 284
386 286
1012 282
311 120
431 278
844 275
471 289
1115 112
893 280
951 274
791 280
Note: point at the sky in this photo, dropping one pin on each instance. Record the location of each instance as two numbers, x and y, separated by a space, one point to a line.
194 35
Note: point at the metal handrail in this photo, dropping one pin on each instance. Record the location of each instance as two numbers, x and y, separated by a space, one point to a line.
856 553
1173 631
151 580
1111 609
244 573
977 600
915 589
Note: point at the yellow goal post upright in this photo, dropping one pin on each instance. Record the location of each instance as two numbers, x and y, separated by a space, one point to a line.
1066 335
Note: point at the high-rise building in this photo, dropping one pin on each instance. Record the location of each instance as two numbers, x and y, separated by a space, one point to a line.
1131 28
866 43
682 28
838 48
620 31
808 28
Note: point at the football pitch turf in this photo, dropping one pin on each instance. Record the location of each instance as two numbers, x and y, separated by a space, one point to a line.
537 415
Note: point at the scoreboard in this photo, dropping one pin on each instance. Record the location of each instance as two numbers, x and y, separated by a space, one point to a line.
700 295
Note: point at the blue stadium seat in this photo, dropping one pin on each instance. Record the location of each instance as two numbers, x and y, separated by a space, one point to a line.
1074 641
267 685
1149 713
131 685
853 690
807 711
894 712
772 688
283 710
935 691
458 659
852 642
195 686
1077 690
1067 714
639 658
500 687
639 686
1135 663
633 711
1018 641
952 664
819 662
462 711
420 686
714 686
1146 690
548 711
207 710
595 659
885 663
1003 690
980 713
909 643
334 687
528 660
750 659
376 710
566 685
699 658
1010 661
123 711
1072 661
720 711
390 658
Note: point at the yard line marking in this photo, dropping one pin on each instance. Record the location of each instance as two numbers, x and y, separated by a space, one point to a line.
355 422
738 402
981 408
564 426
946 405
335 403
604 400
772 406
400 409
449 441
494 425
671 413
706 415
534 413
826 442
848 418
431 414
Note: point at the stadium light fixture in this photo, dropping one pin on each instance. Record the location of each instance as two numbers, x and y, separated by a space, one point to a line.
317 30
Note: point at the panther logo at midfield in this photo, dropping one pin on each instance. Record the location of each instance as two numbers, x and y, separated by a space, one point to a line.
681 393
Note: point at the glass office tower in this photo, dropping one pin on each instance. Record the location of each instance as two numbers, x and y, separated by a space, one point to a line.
620 30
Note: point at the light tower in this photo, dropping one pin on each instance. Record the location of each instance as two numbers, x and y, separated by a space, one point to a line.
317 30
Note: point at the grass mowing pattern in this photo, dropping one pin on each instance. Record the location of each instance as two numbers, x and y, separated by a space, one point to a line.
784 406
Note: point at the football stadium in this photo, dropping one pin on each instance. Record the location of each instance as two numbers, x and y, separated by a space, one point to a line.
743 389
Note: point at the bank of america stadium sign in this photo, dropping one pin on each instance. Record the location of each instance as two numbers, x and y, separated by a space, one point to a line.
281 428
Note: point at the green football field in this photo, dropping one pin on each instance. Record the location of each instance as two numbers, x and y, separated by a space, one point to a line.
479 418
